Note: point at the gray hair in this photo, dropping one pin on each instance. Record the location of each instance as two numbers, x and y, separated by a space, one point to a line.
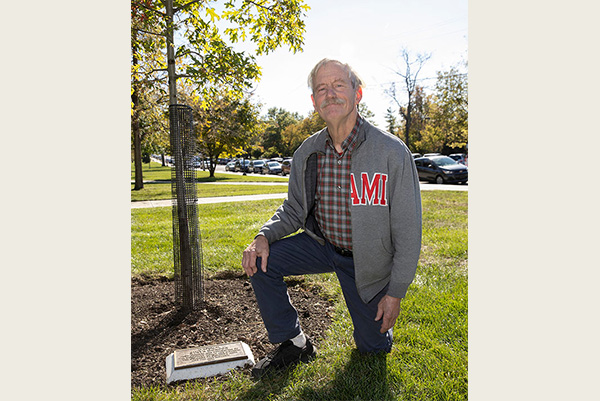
354 78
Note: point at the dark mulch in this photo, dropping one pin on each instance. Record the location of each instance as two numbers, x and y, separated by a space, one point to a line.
229 313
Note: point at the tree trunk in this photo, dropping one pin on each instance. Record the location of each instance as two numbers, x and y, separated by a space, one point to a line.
135 129
184 232
408 122
171 54
212 165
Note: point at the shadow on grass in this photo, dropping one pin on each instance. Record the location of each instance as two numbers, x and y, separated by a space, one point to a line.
364 377
214 179
198 180
269 386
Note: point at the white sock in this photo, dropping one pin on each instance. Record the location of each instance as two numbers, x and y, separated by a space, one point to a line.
300 340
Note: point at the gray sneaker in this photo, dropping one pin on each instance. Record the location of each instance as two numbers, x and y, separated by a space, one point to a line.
285 355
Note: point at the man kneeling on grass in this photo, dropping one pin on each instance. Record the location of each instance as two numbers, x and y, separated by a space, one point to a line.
354 190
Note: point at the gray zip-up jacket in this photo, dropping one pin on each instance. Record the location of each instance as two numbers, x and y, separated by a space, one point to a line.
385 203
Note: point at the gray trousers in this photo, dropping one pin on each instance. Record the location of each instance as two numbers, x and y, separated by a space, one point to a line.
299 255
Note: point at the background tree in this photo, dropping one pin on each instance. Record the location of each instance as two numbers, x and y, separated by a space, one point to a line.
432 135
222 124
292 136
202 51
409 75
153 125
145 59
277 121
419 118
365 113
391 121
452 98
313 123
295 134
447 129
310 125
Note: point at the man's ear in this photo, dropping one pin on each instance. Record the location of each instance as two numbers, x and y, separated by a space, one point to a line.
313 101
358 95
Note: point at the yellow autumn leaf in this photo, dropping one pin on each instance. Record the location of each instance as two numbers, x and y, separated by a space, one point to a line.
213 14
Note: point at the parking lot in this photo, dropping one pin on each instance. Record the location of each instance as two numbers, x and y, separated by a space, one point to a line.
425 186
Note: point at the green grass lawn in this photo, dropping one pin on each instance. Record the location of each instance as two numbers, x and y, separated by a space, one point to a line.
152 191
429 357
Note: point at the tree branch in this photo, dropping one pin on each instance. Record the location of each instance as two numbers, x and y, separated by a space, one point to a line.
188 51
146 81
149 8
259 5
148 32
175 10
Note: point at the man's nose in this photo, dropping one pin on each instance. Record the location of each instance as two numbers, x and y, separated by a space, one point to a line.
330 92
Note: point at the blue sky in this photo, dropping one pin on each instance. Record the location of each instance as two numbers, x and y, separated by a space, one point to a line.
369 36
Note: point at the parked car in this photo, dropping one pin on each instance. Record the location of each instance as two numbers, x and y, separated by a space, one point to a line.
196 162
230 166
441 170
286 165
273 167
459 158
242 165
257 166
415 155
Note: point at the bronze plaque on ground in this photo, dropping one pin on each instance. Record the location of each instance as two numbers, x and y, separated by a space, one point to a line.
209 354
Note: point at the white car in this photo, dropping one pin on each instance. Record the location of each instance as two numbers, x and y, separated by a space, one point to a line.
230 166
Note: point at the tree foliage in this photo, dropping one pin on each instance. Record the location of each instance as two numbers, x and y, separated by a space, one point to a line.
285 131
200 37
391 121
204 38
308 126
409 74
145 58
435 122
222 124
277 121
365 113
153 124
447 128
420 116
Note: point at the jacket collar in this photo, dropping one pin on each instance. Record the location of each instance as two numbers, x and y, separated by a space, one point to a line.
323 135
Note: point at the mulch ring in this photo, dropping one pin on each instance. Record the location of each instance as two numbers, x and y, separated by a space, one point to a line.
230 313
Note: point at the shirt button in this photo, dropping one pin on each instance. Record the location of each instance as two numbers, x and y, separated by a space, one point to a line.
339 187
339 162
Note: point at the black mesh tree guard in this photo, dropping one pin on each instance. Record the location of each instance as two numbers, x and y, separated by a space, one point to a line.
187 251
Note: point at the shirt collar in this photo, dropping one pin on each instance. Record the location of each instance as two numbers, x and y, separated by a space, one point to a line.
351 139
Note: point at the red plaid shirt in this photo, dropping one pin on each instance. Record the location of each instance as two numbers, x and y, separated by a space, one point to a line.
333 191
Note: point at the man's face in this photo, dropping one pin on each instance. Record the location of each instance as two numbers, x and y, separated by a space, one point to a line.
333 96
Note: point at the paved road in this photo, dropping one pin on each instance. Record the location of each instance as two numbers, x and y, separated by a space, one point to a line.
216 199
425 186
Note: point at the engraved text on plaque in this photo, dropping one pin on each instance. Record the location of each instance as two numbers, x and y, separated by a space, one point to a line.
209 354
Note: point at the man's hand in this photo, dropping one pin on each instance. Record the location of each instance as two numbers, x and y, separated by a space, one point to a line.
258 248
388 309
